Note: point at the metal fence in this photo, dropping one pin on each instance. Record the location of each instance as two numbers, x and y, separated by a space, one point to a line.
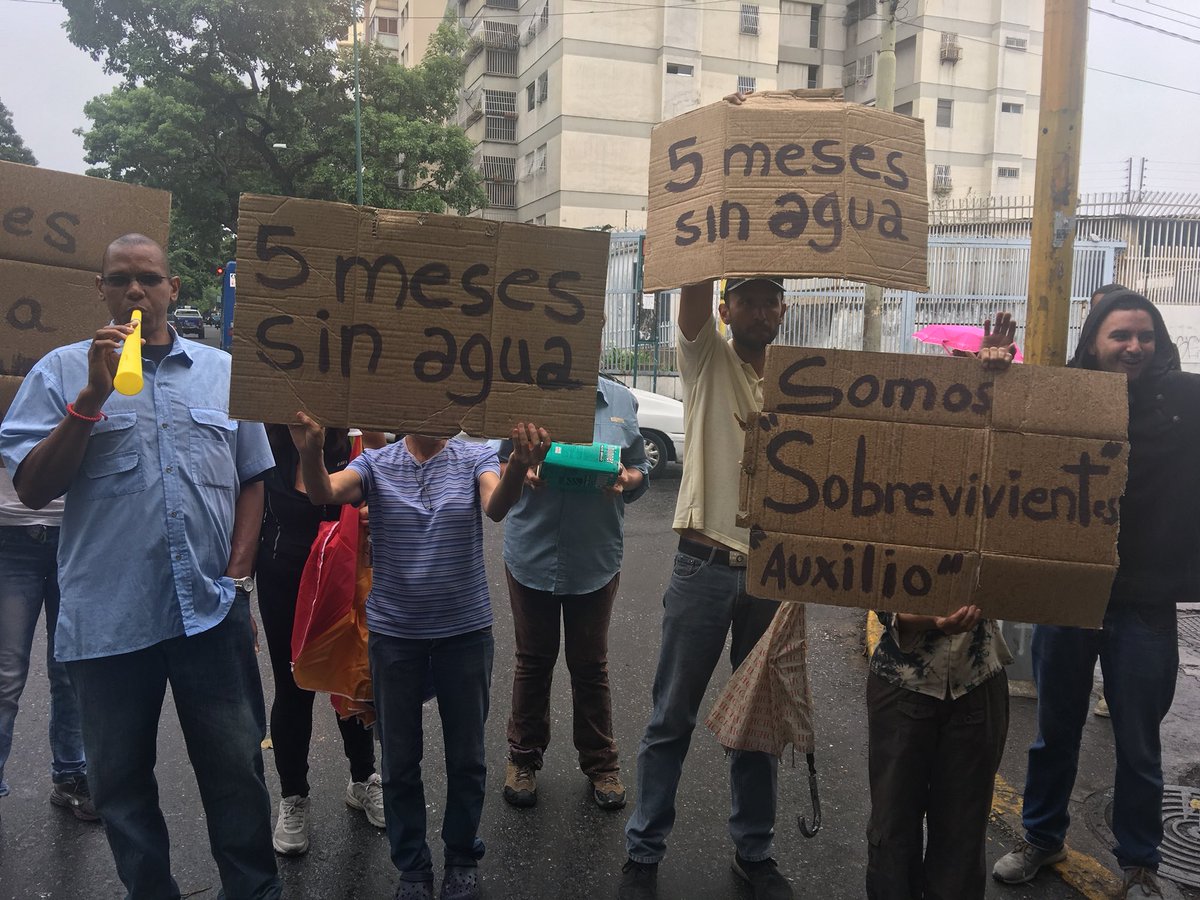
970 279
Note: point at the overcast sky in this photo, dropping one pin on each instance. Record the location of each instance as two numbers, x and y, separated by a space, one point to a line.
45 81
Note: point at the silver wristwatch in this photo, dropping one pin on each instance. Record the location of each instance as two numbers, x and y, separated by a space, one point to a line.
244 584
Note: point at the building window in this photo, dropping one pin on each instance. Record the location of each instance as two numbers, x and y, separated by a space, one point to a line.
500 62
866 67
814 76
386 26
746 84
498 168
404 14
544 18
500 111
1012 107
849 74
530 96
945 113
1016 43
680 69
539 160
941 179
501 195
1006 172
814 26
543 87
539 220
749 18
404 56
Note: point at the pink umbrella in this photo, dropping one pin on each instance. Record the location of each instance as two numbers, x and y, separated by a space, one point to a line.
957 337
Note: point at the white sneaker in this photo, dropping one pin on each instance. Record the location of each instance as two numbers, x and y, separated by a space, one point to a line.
291 829
367 796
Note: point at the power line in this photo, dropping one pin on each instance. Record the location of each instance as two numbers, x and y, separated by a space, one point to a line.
1151 12
1148 27
1170 87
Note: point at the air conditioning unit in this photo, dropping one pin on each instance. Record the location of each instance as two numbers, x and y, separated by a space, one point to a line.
951 53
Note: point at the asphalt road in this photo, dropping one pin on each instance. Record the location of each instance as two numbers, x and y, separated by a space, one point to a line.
566 848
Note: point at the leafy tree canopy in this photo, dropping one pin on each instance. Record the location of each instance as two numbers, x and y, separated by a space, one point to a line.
224 97
12 148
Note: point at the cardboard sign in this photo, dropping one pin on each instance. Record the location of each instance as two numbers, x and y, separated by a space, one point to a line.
413 322
44 307
54 229
56 219
920 484
788 183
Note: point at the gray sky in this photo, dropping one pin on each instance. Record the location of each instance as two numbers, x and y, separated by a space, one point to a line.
46 81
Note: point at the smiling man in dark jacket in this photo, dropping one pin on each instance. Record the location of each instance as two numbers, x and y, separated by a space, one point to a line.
1137 646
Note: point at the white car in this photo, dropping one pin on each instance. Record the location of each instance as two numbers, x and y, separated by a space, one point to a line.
660 419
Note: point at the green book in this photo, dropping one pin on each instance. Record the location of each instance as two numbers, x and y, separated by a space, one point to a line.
581 467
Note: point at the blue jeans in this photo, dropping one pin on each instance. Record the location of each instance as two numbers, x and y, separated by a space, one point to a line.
462 679
29 581
218 698
1139 655
703 600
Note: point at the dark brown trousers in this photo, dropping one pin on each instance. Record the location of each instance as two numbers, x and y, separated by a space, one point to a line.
585 619
934 762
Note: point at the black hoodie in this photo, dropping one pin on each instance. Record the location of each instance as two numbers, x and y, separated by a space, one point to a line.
1159 542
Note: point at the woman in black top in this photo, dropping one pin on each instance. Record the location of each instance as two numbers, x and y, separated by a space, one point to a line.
290 524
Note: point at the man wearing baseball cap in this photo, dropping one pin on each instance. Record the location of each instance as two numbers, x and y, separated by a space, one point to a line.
706 596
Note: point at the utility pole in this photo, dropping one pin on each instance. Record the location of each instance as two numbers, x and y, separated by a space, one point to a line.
885 99
358 165
1056 185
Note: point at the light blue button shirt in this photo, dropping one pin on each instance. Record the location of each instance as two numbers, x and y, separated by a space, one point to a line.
573 543
148 523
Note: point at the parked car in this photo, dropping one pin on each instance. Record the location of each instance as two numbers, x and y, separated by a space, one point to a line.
189 321
660 419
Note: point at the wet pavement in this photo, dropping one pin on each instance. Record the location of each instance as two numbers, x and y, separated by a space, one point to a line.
566 848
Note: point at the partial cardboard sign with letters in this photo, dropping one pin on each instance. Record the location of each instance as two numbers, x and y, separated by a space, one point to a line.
920 484
54 228
414 322
788 183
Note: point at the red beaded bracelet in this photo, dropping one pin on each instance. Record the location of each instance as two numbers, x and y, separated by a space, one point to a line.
78 415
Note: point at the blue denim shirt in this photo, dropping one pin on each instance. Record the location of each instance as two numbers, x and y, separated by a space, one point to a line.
147 529
572 543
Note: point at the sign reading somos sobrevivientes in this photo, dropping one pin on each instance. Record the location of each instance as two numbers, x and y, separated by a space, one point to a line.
413 322
789 183
919 484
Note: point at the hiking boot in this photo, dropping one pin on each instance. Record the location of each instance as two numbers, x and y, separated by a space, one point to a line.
461 883
763 877
1140 882
639 881
291 829
608 792
73 794
520 785
367 796
414 890
1025 862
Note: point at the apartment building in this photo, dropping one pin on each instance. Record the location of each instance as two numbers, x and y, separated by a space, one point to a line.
402 26
560 95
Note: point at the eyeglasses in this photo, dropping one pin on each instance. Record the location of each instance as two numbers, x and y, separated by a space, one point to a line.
145 279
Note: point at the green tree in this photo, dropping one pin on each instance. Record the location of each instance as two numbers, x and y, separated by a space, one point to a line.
232 96
12 148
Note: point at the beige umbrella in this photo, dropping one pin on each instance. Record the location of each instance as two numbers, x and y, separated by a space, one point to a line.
767 703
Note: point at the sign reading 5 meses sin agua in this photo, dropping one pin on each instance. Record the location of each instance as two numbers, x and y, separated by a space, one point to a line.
788 183
920 484
413 322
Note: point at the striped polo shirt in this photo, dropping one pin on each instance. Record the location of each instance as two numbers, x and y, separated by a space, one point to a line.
429 579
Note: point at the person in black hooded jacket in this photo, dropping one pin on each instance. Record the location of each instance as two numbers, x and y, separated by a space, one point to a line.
1137 645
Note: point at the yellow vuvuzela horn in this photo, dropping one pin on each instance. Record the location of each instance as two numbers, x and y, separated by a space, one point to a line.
128 380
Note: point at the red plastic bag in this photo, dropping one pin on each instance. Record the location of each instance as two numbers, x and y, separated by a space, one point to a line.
329 638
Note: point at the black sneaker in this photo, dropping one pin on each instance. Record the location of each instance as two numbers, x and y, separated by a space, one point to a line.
639 881
73 794
764 878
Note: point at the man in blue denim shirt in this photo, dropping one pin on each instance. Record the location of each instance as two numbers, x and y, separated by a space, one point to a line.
163 507
562 558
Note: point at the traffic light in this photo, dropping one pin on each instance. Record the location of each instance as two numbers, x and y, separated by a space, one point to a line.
220 271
